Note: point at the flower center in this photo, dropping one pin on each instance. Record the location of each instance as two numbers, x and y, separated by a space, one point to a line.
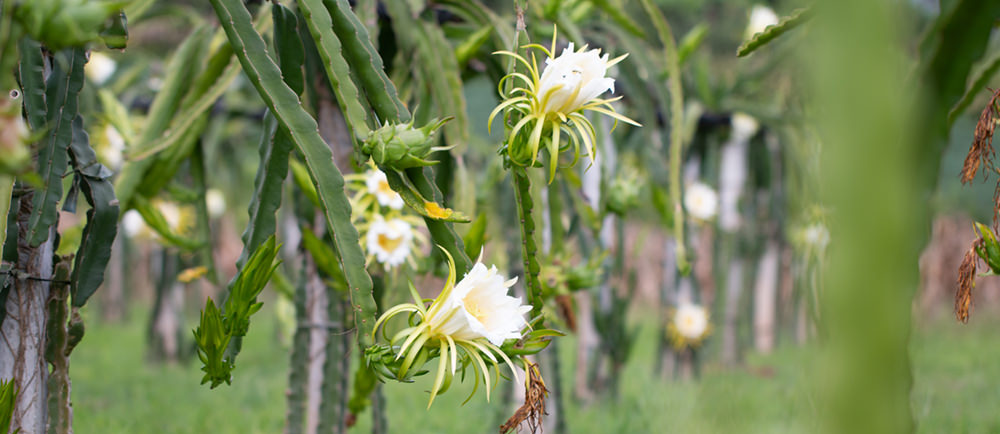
474 309
689 321
388 243
383 187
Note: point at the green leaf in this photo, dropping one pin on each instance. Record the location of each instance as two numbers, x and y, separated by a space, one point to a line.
155 220
617 13
115 36
219 73
977 84
288 47
771 33
476 236
663 205
366 62
336 67
8 399
99 233
276 145
31 71
180 71
61 95
284 103
300 174
691 41
274 151
468 48
324 256
439 69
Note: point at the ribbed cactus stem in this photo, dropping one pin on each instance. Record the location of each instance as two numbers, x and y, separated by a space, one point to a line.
57 354
297 374
529 247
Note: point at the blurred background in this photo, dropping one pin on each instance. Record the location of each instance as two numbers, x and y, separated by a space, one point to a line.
756 228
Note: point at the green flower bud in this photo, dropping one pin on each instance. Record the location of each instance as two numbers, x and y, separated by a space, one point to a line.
989 249
623 195
401 146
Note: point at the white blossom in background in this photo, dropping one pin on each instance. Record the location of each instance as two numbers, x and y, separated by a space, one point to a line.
691 321
744 126
701 201
171 213
132 223
112 153
479 307
215 201
389 240
100 67
816 235
760 17
733 168
378 186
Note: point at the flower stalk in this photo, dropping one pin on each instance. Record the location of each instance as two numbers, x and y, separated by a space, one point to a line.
529 246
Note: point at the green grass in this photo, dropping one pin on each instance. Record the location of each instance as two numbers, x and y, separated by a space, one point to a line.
956 390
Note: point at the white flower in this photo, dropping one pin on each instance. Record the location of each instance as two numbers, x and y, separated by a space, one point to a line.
100 67
760 17
479 307
691 321
112 153
744 126
816 235
378 186
215 201
171 213
132 223
389 240
573 79
701 201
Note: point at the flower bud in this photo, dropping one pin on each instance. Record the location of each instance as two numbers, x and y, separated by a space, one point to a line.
989 248
402 146
623 195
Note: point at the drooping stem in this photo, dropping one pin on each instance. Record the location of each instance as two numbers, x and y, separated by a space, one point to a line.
676 129
529 248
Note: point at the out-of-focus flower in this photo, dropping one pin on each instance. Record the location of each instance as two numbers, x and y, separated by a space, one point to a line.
191 274
132 223
378 186
476 315
215 201
552 103
816 236
389 240
744 126
760 17
701 201
112 146
100 67
688 325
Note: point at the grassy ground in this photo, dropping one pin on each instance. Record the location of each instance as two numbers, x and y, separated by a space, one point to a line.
957 389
